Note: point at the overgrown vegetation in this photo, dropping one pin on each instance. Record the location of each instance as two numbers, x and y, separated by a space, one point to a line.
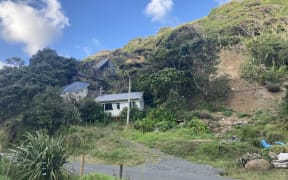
40 157
268 59
102 144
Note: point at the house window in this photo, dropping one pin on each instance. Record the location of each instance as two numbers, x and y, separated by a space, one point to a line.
132 104
118 105
108 107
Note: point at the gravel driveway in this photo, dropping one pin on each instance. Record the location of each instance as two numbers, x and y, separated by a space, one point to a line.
169 168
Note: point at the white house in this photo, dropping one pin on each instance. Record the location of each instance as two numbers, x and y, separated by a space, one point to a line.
76 90
115 103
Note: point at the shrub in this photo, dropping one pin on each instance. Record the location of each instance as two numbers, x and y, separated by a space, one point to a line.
161 114
221 150
262 117
250 71
197 126
40 157
273 136
271 75
92 112
164 125
135 114
249 133
276 149
145 125
227 112
219 89
160 118
243 115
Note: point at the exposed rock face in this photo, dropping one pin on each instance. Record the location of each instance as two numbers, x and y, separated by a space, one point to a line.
258 164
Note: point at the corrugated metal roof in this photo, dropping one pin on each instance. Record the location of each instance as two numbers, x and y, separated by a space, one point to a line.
75 87
118 97
100 64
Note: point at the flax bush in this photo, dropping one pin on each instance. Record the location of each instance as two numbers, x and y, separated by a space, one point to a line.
40 157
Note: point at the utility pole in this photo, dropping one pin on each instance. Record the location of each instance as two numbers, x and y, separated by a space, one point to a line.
129 101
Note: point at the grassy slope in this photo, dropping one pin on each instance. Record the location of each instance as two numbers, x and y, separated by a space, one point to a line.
236 13
231 23
117 146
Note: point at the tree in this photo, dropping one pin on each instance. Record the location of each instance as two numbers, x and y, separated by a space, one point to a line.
19 85
15 61
53 69
165 80
183 61
91 112
47 112
40 157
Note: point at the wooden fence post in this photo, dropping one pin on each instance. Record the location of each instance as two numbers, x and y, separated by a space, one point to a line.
121 171
82 165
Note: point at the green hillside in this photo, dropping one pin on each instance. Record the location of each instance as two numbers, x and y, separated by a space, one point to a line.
246 22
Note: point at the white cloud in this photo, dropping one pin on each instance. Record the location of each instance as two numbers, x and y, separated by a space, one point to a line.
90 47
220 2
158 9
34 23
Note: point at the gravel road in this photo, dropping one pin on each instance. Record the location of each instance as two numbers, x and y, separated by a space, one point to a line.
169 168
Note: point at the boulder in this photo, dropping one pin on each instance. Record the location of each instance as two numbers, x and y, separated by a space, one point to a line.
258 164
248 157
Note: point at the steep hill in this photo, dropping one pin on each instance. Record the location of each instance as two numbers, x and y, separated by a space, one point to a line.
232 26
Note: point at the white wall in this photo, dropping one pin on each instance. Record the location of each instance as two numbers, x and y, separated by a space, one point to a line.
124 104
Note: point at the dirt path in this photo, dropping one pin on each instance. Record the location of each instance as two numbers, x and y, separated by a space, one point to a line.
246 96
164 167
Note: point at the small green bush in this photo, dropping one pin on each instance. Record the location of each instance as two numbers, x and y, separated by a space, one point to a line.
262 117
161 114
164 125
135 114
248 133
276 149
145 125
197 126
273 136
250 71
227 112
243 115
160 118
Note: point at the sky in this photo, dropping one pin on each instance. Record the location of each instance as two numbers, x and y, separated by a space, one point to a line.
79 28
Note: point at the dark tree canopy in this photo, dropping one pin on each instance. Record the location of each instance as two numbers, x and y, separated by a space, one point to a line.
19 85
46 112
